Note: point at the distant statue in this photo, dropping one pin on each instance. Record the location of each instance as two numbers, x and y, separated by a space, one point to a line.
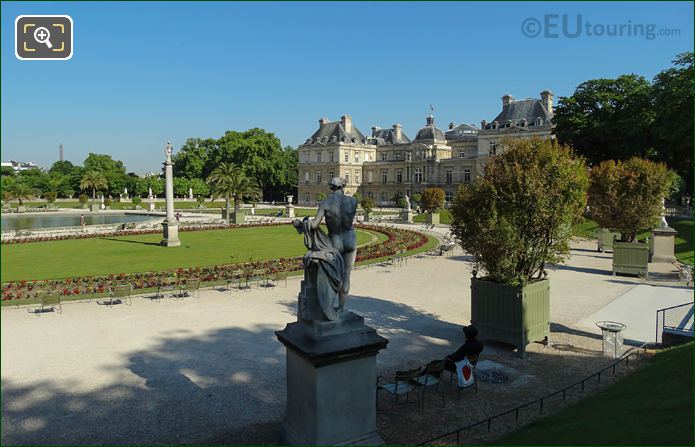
407 202
169 150
333 254
125 191
150 192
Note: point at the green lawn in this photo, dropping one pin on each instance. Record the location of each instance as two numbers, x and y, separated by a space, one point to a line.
684 240
444 217
653 406
127 254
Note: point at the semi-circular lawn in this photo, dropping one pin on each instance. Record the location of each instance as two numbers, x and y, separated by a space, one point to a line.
142 253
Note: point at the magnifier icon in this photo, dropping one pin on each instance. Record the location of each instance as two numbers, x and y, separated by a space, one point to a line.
42 35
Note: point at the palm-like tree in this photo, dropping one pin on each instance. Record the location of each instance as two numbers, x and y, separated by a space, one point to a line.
229 181
20 191
94 180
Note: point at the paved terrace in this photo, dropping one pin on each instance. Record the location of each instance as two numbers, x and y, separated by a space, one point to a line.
210 368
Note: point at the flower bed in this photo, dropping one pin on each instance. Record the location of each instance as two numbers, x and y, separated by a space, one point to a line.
398 240
131 232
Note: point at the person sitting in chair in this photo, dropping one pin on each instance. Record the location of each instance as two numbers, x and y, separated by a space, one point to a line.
471 349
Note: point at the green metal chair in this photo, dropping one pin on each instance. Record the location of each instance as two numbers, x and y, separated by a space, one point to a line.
431 375
119 294
48 302
166 284
190 288
403 383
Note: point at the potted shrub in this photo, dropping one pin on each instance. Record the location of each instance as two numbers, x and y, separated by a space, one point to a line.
367 205
84 198
107 203
432 200
136 202
626 197
514 221
50 197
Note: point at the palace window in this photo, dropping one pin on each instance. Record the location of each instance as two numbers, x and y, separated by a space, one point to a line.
306 157
347 157
462 153
330 175
448 177
347 177
307 198
330 156
357 177
398 155
384 176
318 157
357 157
493 148
418 175
370 194
467 175
383 196
383 156
449 196
318 178
306 176
399 176
370 176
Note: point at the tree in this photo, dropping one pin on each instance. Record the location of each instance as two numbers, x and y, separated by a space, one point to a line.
627 196
62 167
50 196
367 204
191 159
608 118
432 199
113 170
259 154
200 188
181 186
672 92
515 219
7 171
95 180
19 190
155 183
229 181
417 198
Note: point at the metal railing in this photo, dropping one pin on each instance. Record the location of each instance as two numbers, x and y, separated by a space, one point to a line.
539 402
675 319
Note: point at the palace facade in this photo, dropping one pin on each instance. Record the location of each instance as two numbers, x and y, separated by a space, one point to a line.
388 162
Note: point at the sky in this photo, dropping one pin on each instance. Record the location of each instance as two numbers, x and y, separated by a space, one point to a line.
146 73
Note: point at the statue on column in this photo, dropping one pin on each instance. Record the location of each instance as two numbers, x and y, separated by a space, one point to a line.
330 259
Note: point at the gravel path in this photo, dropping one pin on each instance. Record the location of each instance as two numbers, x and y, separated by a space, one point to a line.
210 369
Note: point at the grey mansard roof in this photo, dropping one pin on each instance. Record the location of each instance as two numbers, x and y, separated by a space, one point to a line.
333 132
462 131
430 131
518 110
388 136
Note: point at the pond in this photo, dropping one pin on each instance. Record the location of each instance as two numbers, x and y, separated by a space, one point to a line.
27 222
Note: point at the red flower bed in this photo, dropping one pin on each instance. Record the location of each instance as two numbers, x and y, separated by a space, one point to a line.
398 240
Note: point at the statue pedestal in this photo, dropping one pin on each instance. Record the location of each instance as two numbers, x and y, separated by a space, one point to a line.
662 244
171 234
289 211
407 216
331 379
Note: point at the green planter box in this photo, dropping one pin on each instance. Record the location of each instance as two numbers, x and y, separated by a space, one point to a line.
605 239
511 314
432 218
235 217
630 258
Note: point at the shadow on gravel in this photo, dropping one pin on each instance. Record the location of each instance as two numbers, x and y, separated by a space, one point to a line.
221 386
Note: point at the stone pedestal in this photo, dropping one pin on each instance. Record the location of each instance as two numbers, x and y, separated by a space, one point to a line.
407 216
661 247
171 234
289 211
331 382
94 207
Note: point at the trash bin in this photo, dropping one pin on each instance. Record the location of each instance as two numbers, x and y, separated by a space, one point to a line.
612 342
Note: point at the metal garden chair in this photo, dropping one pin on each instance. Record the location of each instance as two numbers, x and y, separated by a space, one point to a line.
403 383
119 294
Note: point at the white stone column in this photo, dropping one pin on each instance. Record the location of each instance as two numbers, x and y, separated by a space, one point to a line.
170 226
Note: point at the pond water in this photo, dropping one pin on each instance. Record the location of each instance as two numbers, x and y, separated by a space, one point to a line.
26 222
